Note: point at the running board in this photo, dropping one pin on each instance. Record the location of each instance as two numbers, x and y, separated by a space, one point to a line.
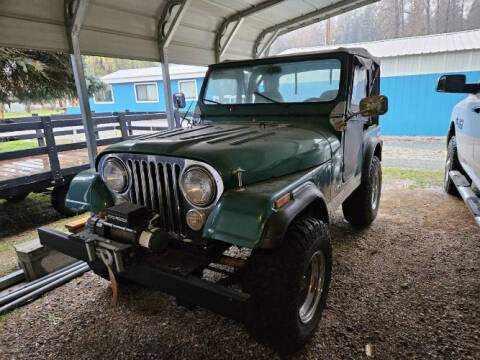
467 194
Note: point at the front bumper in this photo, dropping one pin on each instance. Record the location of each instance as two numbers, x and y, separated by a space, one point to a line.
189 287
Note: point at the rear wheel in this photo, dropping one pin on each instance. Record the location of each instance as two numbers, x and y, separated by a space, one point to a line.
17 198
451 163
361 207
289 285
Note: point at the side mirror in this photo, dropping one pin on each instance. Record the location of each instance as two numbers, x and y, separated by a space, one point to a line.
374 105
179 100
451 83
456 84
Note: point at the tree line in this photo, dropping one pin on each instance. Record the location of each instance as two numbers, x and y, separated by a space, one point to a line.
387 19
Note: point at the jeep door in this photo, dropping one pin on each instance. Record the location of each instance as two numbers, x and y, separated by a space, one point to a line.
353 133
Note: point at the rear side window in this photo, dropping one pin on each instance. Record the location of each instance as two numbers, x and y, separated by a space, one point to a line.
359 88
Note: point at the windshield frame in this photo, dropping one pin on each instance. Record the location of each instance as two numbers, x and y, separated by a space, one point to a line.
275 60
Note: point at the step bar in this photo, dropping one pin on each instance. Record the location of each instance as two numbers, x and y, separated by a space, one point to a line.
467 194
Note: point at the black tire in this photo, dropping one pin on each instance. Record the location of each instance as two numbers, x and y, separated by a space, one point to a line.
361 207
58 197
17 198
275 280
451 163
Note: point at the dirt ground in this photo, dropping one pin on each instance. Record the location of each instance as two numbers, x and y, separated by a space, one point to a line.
407 287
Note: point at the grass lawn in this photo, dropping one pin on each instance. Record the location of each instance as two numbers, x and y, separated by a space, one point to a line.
17 145
417 178
19 114
19 222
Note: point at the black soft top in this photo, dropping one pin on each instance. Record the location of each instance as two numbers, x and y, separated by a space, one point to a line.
350 50
356 51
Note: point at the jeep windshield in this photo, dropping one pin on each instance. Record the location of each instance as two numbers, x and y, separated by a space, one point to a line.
281 82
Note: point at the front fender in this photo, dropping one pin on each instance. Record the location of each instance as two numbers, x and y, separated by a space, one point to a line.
243 217
88 192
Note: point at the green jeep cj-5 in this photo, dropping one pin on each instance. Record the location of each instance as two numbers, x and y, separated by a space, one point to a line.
232 212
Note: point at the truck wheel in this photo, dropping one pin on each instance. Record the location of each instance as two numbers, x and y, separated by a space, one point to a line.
58 197
451 163
289 286
361 207
17 198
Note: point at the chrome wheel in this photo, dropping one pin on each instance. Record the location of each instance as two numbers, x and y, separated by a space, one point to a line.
312 287
375 191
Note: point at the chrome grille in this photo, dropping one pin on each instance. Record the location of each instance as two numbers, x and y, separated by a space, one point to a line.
155 184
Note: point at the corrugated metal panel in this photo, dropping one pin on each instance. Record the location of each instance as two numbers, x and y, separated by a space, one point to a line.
429 44
431 63
128 28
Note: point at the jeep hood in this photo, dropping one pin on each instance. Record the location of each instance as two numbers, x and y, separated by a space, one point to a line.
261 150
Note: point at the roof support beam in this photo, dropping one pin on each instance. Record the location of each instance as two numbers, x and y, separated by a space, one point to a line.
237 19
169 21
75 11
302 21
230 36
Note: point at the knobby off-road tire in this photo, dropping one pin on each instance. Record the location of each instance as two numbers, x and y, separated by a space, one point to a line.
451 163
361 207
58 197
278 281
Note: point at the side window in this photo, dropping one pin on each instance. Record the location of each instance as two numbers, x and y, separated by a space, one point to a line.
146 92
104 96
359 89
188 88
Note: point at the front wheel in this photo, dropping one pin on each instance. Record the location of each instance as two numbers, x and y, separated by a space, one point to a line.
451 163
361 207
289 285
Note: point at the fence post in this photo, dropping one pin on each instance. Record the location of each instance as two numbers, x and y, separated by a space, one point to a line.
129 124
123 126
40 139
95 126
52 150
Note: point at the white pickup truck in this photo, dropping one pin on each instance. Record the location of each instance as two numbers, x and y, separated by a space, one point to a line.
462 167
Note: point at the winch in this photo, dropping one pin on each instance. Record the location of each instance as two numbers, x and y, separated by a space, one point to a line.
131 224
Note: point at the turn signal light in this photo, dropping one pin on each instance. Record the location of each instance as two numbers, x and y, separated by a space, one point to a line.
283 200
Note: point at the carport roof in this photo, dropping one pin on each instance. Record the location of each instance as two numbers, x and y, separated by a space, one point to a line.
128 28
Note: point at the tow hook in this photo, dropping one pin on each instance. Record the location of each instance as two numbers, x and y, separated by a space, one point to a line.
107 259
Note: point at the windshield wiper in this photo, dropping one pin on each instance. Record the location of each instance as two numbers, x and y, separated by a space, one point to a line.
268 98
212 101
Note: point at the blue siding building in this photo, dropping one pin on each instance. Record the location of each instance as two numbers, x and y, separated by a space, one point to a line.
142 89
410 68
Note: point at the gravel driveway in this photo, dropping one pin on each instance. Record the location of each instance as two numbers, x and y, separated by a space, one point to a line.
408 287
425 153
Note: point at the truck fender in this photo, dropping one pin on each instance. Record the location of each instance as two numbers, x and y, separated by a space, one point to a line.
372 148
451 131
88 192
306 199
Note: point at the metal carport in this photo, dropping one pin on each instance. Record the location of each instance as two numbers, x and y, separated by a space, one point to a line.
195 32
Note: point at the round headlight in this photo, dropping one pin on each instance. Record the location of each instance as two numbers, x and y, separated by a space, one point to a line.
198 186
115 175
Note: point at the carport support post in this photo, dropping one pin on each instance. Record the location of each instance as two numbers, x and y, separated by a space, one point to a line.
166 29
167 88
74 14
